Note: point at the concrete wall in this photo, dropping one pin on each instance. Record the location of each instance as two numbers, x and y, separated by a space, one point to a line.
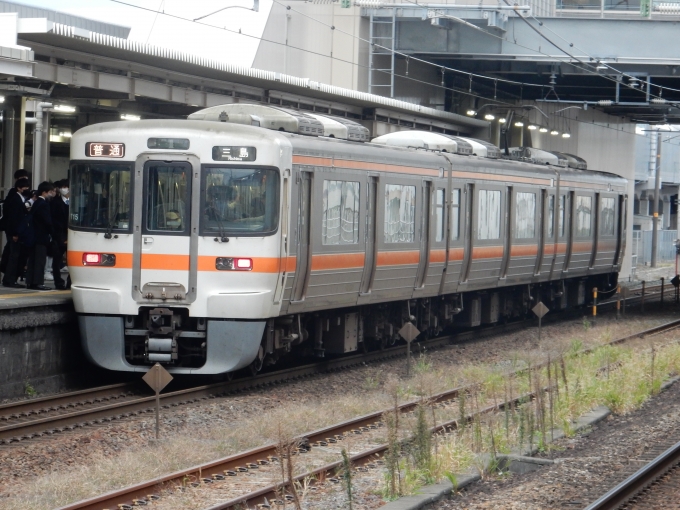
40 347
294 43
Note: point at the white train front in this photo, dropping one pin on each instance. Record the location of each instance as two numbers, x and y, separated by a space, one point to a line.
211 246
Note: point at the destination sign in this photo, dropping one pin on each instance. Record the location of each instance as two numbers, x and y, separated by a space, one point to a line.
222 153
104 150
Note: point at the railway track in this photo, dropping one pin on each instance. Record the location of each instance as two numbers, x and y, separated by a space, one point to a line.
260 458
649 487
35 418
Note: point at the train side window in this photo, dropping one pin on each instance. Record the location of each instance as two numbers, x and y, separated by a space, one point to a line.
340 220
560 225
583 215
551 216
489 214
455 214
400 213
525 215
607 216
439 213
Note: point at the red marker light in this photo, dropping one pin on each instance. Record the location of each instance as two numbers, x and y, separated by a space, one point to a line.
233 264
99 259
93 259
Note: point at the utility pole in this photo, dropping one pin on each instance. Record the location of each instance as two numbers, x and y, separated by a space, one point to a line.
655 207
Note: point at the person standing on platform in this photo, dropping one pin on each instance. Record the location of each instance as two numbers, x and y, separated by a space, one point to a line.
59 213
42 231
13 217
19 174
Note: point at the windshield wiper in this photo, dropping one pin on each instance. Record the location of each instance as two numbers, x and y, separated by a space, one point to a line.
223 238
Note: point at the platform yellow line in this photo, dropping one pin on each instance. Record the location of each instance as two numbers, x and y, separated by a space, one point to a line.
35 293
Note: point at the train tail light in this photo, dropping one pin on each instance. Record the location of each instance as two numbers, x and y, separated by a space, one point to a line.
233 264
99 259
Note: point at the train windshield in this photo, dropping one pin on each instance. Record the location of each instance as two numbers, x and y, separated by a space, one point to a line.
100 196
239 201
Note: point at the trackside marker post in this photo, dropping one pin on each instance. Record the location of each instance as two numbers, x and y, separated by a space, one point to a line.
540 310
408 332
157 378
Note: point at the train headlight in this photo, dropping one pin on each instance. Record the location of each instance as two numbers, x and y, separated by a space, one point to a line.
233 264
99 259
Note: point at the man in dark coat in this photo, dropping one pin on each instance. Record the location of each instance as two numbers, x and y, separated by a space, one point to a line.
13 215
19 174
59 213
42 232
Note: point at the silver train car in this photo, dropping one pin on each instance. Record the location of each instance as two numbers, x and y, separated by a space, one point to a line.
212 247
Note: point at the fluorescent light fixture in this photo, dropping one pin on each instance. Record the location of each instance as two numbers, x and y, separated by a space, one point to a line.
533 127
65 134
554 132
488 116
129 116
519 123
543 130
471 113
64 108
2 99
566 135
501 120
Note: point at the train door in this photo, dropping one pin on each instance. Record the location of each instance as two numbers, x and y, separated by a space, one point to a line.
370 240
166 214
621 231
304 246
426 211
543 220
459 242
469 229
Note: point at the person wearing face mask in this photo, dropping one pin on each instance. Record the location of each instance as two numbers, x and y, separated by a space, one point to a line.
59 214
42 231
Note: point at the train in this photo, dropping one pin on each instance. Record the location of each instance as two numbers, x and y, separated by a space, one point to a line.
225 241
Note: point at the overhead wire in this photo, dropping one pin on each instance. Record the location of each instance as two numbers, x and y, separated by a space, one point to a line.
496 102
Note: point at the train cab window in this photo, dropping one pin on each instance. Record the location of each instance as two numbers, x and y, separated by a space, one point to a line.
607 216
439 214
400 213
455 214
583 215
340 220
100 196
167 198
525 215
489 215
239 201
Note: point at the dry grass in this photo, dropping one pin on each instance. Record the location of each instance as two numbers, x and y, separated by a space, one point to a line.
210 440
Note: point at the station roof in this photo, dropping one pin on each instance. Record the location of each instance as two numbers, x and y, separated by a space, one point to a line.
29 11
78 64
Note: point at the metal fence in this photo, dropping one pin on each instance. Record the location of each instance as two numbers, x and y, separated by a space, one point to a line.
641 250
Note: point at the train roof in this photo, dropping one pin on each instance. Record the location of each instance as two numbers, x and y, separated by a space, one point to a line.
406 157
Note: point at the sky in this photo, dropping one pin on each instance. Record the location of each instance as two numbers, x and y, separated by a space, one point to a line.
160 30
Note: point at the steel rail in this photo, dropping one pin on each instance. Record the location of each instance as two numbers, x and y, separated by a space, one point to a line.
251 459
637 482
18 431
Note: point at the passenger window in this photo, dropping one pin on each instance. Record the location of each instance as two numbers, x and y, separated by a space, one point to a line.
551 216
607 217
560 220
583 214
400 210
489 215
167 198
340 220
455 214
525 215
439 213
